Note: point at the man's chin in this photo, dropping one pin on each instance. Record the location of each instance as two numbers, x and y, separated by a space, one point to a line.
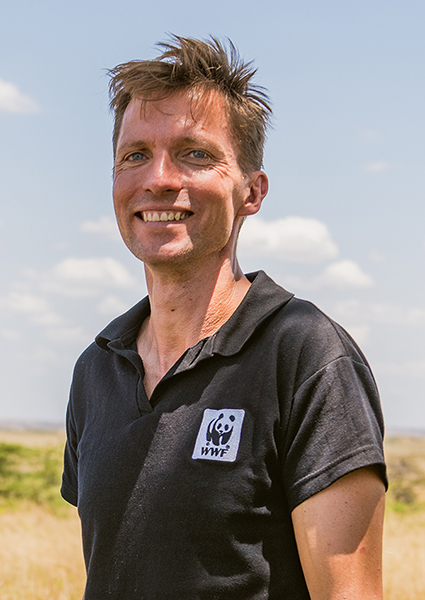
163 256
182 255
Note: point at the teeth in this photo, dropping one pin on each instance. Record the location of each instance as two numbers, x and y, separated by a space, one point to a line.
164 216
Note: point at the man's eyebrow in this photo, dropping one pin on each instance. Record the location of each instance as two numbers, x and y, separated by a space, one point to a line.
188 140
132 144
204 142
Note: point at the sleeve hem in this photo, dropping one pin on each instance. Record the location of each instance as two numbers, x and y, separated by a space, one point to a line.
69 494
316 482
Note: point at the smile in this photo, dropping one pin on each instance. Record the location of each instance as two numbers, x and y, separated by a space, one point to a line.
166 215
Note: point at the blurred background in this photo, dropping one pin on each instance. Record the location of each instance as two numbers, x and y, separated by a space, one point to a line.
343 224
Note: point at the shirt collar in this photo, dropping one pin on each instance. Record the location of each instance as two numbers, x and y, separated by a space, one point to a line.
263 298
123 330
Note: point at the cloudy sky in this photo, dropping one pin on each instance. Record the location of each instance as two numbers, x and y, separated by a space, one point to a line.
343 224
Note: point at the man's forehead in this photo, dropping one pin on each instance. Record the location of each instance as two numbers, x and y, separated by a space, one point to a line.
189 105
189 114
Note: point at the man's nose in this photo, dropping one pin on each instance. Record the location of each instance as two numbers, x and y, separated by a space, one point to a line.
162 174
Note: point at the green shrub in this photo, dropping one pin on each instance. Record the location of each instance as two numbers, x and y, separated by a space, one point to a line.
405 479
28 473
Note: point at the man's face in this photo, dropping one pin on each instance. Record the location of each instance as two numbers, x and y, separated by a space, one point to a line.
179 194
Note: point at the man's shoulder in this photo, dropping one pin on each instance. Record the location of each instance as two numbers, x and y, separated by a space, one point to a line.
311 332
304 332
273 320
305 318
296 317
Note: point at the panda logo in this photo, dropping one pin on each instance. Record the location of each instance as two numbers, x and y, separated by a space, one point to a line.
220 430
219 435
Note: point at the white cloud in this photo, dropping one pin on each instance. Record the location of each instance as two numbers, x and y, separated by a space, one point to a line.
48 355
84 277
344 274
34 307
31 299
11 335
409 369
49 319
105 226
293 239
360 333
111 306
69 335
349 309
101 271
381 312
370 136
377 166
377 256
12 100
391 313
24 303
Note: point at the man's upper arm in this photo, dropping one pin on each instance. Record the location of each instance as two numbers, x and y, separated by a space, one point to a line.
339 538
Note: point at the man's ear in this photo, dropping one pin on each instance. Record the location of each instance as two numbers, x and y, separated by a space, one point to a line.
257 190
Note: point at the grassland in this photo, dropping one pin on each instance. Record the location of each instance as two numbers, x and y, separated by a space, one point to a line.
40 549
404 534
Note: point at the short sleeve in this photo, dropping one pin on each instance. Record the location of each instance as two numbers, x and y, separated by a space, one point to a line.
69 488
335 427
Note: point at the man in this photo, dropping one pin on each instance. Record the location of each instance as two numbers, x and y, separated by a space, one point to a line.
224 438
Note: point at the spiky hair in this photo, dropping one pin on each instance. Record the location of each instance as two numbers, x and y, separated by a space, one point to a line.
190 64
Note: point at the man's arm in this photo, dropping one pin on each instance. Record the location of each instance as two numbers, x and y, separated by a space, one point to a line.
339 538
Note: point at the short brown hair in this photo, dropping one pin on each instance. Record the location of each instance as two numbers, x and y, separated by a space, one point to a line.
189 64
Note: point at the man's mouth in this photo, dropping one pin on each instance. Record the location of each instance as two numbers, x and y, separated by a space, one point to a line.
165 215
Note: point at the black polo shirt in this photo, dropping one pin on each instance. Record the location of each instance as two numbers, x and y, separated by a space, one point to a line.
188 496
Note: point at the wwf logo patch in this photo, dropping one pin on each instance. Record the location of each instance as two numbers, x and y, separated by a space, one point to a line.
219 434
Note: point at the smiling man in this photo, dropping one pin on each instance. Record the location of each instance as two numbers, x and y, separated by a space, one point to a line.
224 437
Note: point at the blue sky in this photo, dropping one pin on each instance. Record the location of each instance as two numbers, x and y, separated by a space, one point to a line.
343 224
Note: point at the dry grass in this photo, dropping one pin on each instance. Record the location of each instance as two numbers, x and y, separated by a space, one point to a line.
404 556
34 439
41 557
404 534
40 549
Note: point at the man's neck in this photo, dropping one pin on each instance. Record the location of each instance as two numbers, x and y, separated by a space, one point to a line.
185 310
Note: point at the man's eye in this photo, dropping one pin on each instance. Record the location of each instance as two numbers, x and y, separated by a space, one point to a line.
199 154
136 156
